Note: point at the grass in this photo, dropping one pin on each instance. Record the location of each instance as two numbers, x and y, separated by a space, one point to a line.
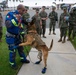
74 42
5 68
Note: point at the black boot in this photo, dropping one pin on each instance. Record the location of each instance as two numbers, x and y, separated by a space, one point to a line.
68 39
25 61
60 40
14 67
49 32
54 33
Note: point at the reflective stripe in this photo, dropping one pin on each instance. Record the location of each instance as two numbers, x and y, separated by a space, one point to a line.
21 58
14 22
11 63
13 51
22 32
22 25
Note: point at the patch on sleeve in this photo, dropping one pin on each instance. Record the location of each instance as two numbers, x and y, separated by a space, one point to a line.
7 16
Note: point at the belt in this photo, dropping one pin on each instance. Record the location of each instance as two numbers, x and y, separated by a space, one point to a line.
10 35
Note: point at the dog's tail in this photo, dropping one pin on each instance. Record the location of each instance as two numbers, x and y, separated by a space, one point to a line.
51 45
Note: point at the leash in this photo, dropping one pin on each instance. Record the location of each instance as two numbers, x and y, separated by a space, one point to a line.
29 55
38 56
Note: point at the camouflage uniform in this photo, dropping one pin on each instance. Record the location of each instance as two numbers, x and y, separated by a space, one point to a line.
37 23
0 27
43 14
63 24
73 22
24 17
53 16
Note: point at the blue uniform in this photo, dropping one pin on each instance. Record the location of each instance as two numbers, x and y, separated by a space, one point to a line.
13 37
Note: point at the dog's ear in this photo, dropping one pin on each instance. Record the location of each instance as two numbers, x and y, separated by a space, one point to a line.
33 21
32 27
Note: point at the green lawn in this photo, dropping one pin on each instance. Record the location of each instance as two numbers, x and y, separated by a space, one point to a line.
5 68
74 42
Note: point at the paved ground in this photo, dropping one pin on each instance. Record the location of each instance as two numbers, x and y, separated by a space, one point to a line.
61 60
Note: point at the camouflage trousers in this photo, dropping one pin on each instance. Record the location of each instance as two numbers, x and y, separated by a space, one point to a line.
1 33
43 30
39 31
74 31
52 25
70 30
63 32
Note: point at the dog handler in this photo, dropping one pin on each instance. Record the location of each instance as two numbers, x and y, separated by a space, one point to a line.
13 35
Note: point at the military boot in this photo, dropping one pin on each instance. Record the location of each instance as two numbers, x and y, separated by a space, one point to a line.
50 33
54 33
63 40
68 39
60 40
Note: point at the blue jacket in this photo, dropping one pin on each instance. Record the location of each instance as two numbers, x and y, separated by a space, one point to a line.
12 23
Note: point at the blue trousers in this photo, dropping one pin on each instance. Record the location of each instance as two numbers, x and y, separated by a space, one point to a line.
13 47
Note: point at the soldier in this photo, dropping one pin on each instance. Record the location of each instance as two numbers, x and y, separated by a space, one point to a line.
38 22
1 19
53 16
43 16
25 16
63 24
73 23
70 29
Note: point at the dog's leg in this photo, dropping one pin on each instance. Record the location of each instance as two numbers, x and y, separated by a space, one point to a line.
45 55
39 57
25 44
29 41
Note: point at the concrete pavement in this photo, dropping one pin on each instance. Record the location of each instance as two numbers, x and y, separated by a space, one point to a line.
61 59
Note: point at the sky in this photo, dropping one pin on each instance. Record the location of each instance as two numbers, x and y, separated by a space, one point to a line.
39 2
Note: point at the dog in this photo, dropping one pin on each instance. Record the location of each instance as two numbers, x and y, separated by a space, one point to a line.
34 40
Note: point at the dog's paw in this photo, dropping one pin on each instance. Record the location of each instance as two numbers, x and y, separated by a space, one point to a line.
38 62
44 70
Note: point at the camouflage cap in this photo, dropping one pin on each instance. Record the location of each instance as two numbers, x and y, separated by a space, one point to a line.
26 7
43 7
37 9
53 7
64 8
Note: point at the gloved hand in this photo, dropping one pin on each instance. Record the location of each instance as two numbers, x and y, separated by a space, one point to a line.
28 20
13 47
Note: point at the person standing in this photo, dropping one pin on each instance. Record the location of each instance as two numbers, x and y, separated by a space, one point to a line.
43 16
38 22
1 20
72 27
14 32
25 17
63 24
53 16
